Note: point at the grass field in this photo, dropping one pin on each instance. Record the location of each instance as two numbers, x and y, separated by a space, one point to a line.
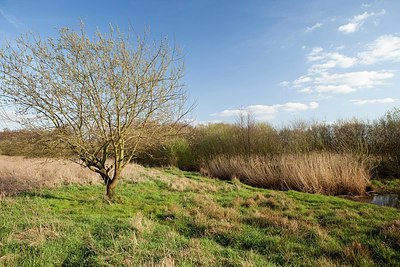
173 218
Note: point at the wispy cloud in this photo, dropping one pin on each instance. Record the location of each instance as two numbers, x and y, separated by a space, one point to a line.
268 111
355 80
366 5
336 89
314 27
330 60
341 83
357 21
387 100
384 48
326 76
10 18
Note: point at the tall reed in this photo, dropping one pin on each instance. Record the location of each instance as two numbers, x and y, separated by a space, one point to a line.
323 173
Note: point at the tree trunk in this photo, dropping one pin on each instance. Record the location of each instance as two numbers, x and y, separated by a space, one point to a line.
110 187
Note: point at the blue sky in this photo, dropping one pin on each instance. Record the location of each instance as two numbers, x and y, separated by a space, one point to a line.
281 60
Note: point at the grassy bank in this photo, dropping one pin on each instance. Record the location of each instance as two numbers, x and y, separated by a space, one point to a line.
172 218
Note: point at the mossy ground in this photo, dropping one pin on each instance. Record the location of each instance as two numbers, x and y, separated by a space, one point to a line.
174 218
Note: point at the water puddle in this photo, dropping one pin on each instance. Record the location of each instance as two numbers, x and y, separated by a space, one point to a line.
388 200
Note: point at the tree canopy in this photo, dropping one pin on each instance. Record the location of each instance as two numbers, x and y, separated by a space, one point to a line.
103 96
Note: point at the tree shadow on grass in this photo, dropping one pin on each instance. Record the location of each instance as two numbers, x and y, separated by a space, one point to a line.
50 196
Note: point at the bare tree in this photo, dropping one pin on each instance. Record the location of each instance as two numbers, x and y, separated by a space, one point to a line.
104 97
246 122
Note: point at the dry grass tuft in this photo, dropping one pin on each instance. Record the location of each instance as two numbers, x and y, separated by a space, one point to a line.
323 173
391 231
325 262
274 200
7 259
167 261
358 254
205 205
185 185
140 223
19 174
35 236
268 218
198 255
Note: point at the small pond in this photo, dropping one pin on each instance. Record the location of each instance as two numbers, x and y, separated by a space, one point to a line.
388 200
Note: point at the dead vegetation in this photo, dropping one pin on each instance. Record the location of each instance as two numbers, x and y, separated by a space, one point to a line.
323 173
20 174
36 236
187 185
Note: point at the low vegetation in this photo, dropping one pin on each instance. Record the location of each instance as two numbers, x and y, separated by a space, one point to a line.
167 217
311 157
19 174
322 173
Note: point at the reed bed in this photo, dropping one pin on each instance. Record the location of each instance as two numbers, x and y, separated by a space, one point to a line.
323 173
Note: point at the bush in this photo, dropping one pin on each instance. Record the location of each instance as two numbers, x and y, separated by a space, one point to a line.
30 143
177 153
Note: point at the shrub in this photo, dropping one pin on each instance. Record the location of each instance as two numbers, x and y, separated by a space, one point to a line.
176 152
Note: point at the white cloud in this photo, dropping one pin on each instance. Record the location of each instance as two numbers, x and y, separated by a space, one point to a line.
326 75
268 111
330 60
350 27
323 76
366 4
336 89
341 83
315 26
357 21
333 60
294 107
306 90
315 54
284 83
356 80
313 105
198 123
301 80
10 18
229 113
384 48
374 101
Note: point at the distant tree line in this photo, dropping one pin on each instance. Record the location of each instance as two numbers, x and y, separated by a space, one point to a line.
374 143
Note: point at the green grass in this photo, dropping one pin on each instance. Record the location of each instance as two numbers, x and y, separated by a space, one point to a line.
386 185
176 218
